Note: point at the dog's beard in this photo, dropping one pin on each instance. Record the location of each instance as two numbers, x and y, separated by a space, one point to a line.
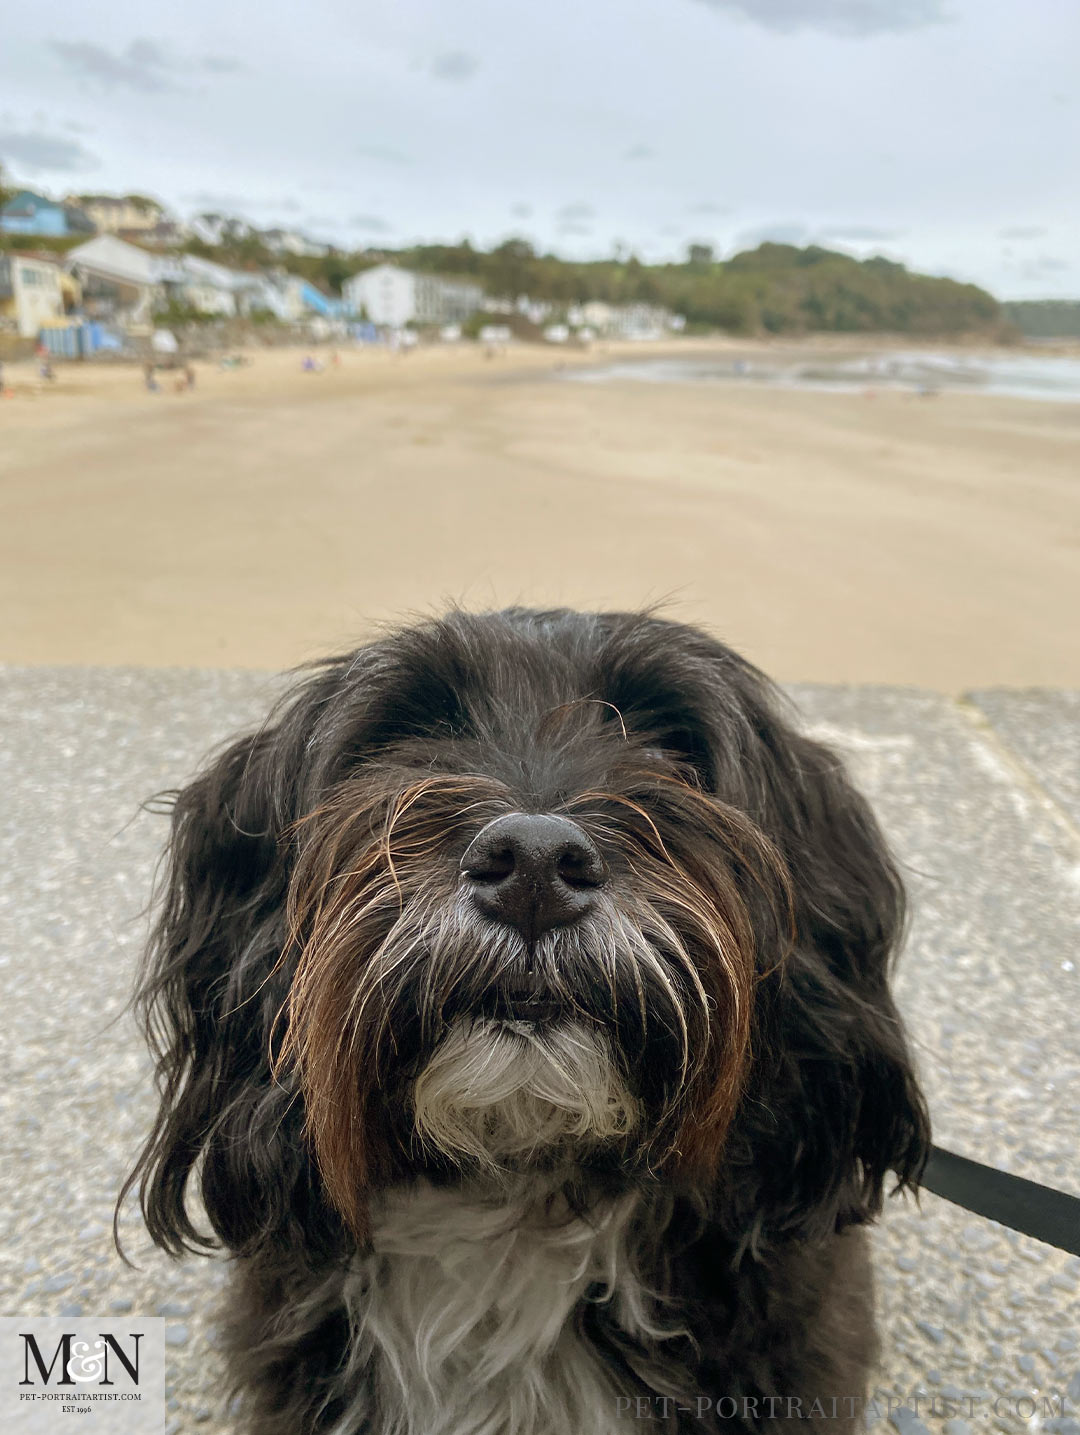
510 1094
401 1009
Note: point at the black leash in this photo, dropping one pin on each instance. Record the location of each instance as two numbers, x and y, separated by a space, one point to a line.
1034 1210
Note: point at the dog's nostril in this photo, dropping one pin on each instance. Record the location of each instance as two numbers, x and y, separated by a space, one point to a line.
489 865
581 867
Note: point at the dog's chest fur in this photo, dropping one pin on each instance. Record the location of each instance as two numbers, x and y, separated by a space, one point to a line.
464 1317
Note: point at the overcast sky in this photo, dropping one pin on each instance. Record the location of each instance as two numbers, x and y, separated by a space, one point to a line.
945 133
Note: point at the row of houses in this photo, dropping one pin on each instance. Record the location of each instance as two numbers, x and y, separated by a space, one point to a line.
126 285
138 218
130 268
111 279
391 297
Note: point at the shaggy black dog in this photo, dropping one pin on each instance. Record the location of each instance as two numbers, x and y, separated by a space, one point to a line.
520 998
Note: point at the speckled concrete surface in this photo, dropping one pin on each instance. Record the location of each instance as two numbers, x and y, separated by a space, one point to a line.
990 985
1042 727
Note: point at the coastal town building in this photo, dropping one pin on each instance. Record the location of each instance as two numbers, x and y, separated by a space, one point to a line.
624 321
211 288
289 298
31 293
392 297
166 234
537 311
639 321
110 213
121 281
595 314
35 214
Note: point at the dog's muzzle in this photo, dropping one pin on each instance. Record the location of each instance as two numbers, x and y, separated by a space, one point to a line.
533 872
518 1078
502 1096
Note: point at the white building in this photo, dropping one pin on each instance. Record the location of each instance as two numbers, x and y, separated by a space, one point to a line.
216 289
597 315
393 297
535 310
122 281
209 287
639 321
31 293
280 294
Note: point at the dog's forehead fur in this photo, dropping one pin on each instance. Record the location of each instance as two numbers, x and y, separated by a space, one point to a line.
520 694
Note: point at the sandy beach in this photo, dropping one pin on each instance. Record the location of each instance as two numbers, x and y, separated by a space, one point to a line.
272 515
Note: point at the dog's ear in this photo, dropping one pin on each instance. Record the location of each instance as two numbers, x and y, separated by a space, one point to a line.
834 1104
212 987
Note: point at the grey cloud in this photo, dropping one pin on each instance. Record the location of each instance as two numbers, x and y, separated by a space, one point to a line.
837 17
568 226
370 224
521 211
706 206
37 151
148 52
638 151
571 212
454 65
145 65
136 69
1048 264
1023 231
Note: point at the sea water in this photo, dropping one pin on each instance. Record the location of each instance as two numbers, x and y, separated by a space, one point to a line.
1023 376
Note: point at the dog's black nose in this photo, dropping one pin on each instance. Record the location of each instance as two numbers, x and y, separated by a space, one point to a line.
533 871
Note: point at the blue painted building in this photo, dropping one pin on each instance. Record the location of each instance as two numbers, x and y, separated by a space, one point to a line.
319 303
30 213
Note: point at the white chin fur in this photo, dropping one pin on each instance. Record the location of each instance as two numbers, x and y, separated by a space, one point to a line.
502 1094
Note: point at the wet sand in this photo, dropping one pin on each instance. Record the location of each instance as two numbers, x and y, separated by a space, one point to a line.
271 515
